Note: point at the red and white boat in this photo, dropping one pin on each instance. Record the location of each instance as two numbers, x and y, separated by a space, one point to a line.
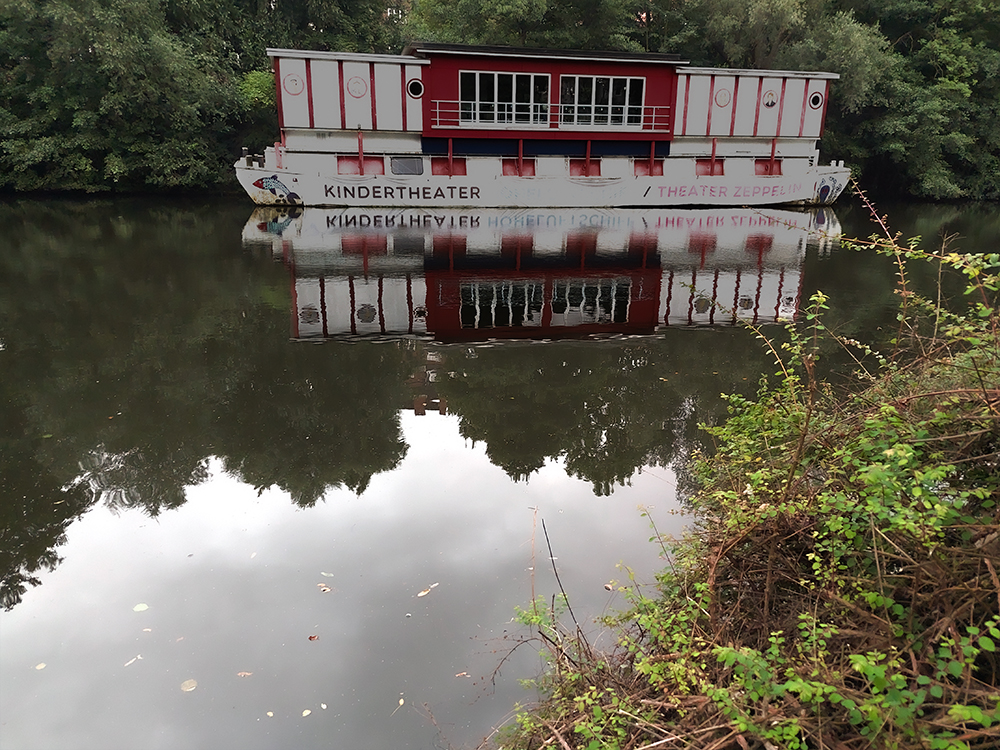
459 126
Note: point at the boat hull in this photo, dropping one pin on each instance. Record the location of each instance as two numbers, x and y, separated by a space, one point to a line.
815 186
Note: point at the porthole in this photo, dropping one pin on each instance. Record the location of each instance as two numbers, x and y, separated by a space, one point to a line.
816 100
415 88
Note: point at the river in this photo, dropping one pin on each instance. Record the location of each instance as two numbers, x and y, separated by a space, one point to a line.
281 479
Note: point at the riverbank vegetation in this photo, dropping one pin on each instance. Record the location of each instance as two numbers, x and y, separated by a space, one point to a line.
842 588
146 95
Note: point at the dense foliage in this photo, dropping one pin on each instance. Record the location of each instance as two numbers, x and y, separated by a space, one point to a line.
842 590
133 95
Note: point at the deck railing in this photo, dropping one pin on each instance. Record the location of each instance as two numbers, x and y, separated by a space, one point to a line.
517 116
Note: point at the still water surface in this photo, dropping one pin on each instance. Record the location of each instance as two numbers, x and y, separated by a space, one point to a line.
172 437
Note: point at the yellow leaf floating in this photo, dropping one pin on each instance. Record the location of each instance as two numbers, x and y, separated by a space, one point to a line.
140 607
425 592
40 665
306 712
270 713
188 685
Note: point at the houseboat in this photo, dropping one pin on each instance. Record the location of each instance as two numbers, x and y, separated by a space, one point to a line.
471 275
455 126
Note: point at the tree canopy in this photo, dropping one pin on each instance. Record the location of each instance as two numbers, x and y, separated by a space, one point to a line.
141 95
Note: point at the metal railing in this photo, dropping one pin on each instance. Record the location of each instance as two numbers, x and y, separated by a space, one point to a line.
513 116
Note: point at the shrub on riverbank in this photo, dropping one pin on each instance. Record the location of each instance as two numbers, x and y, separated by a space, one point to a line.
842 589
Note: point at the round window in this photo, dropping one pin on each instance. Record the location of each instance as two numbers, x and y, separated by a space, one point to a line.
415 88
816 100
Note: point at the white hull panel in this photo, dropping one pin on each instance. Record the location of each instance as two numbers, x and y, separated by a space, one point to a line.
815 186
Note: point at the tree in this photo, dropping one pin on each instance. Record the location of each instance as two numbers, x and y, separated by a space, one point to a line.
99 93
567 24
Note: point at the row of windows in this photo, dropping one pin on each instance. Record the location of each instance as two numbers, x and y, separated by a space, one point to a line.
521 303
504 98
440 165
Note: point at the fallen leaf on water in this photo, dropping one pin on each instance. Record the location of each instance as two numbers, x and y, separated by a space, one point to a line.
131 660
323 706
147 630
401 702
140 607
179 639
462 674
253 555
425 592
323 587
434 585
324 573
270 713
243 674
314 638
40 665
306 712
608 587
188 685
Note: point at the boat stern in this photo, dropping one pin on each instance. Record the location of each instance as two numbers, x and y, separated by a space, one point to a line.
830 183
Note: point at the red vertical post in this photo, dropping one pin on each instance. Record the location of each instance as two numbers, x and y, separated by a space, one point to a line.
361 154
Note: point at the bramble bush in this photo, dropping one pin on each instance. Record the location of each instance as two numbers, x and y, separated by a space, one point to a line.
842 586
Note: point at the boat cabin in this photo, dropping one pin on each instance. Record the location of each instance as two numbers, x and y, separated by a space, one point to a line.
451 101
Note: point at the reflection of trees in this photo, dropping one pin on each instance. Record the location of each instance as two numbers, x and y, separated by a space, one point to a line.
137 342
608 408
306 418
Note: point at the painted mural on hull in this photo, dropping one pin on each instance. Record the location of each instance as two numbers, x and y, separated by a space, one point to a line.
461 126
474 275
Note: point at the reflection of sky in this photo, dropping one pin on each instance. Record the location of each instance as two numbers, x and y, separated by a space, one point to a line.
231 583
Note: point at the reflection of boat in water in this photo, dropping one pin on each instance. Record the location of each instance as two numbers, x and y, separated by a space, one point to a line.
460 275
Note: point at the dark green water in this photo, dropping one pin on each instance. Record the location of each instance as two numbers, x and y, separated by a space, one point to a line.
173 436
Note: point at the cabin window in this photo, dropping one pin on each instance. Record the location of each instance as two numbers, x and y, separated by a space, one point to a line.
406 165
648 168
440 165
601 100
505 304
490 98
581 302
770 167
415 88
706 167
527 168
352 165
584 168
